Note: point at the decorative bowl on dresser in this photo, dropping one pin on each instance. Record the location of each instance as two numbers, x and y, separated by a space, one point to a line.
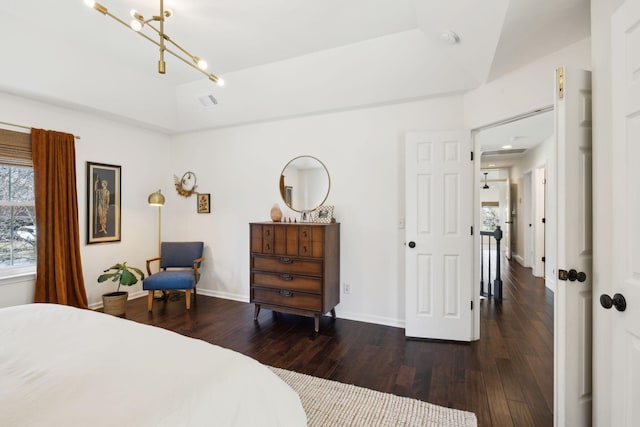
295 268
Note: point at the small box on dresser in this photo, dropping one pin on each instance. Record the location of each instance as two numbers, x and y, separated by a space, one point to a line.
295 268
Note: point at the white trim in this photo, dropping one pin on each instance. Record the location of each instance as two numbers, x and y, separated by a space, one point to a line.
132 295
519 259
378 320
223 295
17 275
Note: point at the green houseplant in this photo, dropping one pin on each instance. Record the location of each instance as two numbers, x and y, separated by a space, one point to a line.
115 302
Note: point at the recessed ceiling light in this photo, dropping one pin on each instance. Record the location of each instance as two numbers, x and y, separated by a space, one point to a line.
506 147
450 37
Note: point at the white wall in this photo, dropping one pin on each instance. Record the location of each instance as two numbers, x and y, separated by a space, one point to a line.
542 155
364 153
144 158
523 90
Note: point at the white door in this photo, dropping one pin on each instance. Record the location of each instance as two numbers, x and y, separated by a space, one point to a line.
506 213
625 326
573 301
439 216
539 175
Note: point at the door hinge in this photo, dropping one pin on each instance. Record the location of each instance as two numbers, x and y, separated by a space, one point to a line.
472 230
471 304
560 72
544 220
472 156
544 259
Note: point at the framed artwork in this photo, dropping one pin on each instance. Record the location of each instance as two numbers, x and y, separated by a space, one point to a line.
103 203
204 203
323 214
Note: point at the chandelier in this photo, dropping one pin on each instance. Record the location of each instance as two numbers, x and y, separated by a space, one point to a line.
164 42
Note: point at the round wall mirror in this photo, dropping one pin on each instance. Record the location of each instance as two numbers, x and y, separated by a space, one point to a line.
304 183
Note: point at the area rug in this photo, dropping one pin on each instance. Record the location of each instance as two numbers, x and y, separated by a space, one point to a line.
330 403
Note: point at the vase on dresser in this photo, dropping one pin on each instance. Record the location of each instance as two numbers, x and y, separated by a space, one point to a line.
276 213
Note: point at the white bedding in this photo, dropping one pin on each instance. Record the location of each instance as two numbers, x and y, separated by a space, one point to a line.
63 366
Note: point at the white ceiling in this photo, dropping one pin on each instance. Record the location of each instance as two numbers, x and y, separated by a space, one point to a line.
279 58
522 134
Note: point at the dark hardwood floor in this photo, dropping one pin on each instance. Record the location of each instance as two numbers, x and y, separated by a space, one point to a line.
506 377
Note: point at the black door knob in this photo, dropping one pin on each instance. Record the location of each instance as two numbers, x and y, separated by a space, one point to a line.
412 245
617 301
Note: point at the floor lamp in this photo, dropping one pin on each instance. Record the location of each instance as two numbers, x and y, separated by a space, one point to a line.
157 199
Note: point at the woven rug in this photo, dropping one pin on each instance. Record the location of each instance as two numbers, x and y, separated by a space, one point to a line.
330 403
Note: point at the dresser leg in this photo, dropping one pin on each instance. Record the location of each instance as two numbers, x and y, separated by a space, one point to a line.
316 322
257 311
333 313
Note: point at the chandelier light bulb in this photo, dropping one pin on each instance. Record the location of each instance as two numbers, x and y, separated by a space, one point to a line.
220 82
90 3
202 64
135 25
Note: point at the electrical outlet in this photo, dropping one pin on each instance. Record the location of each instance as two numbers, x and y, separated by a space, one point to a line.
347 288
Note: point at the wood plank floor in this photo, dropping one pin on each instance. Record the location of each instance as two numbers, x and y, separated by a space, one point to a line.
506 377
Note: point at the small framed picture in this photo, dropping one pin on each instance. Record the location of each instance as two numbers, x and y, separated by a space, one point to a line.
204 203
323 214
103 203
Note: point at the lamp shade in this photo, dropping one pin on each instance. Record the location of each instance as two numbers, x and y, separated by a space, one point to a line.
156 199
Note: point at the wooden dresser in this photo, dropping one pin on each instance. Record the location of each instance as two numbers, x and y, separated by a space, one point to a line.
295 268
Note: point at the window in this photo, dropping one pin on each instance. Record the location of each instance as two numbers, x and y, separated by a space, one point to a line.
490 216
17 217
17 204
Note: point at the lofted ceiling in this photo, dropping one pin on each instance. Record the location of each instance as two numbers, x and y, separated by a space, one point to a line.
279 58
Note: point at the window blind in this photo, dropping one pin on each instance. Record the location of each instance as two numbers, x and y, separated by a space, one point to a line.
15 148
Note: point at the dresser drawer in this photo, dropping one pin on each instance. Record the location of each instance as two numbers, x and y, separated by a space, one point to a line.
287 265
286 298
287 281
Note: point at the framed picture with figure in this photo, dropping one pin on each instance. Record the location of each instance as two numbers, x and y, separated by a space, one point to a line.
103 203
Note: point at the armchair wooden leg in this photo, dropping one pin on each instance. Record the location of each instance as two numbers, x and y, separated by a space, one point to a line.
187 297
150 300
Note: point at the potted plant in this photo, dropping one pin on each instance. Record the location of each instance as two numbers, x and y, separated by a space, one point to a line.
115 302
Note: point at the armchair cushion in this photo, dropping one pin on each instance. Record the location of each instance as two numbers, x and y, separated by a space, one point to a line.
171 279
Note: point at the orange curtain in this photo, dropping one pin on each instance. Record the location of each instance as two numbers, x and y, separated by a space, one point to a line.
59 277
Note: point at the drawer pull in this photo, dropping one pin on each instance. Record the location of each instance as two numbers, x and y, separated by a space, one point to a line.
286 293
267 247
267 232
286 260
285 276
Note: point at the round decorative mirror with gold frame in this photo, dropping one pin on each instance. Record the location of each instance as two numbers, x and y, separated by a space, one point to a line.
304 183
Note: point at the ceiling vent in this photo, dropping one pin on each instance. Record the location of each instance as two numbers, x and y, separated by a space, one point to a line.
208 101
503 152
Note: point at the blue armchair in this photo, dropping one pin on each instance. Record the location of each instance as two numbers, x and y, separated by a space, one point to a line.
179 264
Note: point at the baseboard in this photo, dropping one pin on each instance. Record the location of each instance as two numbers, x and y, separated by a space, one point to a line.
378 320
519 259
550 283
223 295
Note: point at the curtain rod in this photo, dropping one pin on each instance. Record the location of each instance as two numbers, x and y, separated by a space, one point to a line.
26 127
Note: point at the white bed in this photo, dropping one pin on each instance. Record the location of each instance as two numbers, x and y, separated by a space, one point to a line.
66 366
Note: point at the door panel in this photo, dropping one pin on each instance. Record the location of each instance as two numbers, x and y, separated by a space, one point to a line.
439 194
573 300
625 345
